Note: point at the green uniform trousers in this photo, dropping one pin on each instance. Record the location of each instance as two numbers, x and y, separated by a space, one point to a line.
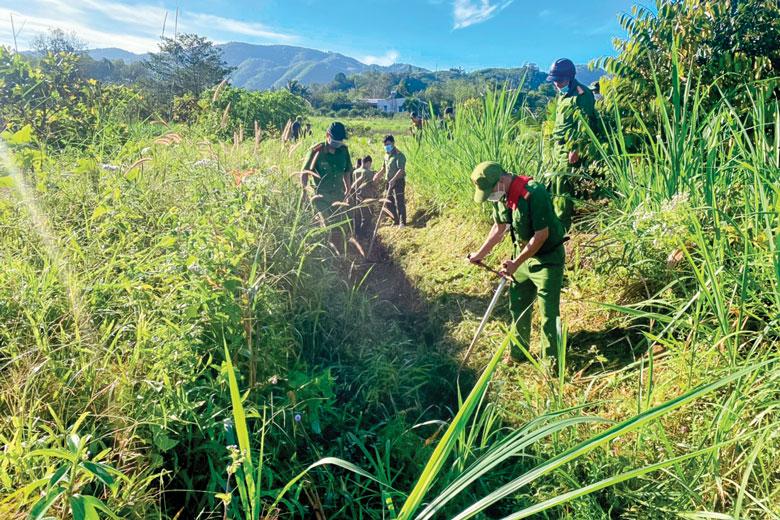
561 187
542 281
563 200
324 200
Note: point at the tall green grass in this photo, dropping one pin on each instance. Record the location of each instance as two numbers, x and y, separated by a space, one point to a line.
693 220
488 129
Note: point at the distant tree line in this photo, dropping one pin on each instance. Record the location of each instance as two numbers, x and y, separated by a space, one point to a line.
425 89
66 98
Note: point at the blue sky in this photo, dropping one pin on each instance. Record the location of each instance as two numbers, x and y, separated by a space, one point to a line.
430 33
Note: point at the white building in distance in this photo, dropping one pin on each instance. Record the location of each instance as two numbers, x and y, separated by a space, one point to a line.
391 105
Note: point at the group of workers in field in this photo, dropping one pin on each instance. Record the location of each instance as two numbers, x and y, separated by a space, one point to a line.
537 213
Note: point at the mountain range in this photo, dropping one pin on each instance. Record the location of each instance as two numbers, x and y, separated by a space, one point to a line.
263 67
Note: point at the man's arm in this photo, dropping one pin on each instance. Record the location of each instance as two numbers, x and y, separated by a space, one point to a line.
531 248
308 165
494 237
347 178
401 167
379 174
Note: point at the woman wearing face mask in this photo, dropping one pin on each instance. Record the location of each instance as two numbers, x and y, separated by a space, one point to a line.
523 206
395 170
331 167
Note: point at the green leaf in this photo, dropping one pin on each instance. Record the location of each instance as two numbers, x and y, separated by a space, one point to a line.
240 424
38 511
74 442
167 242
20 137
333 461
53 452
99 211
101 471
91 513
132 174
224 497
55 479
23 492
163 441
314 420
97 504
86 165
77 508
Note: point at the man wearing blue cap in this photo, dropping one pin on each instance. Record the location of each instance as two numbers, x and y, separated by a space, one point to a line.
569 137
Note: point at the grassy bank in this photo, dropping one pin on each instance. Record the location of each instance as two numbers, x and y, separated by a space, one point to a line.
123 283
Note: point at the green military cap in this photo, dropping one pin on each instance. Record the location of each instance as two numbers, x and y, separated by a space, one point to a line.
337 131
485 177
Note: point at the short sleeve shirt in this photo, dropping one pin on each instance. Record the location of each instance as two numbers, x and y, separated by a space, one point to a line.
394 162
533 214
363 177
331 165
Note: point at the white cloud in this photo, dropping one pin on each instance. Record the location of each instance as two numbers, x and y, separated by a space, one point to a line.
233 26
470 12
133 27
388 58
28 27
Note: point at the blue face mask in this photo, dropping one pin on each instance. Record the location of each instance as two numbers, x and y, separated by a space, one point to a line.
388 148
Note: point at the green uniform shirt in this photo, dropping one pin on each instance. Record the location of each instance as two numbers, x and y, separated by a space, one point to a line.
534 214
567 133
363 178
393 162
331 165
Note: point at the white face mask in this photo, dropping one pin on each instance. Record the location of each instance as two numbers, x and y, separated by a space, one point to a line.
496 196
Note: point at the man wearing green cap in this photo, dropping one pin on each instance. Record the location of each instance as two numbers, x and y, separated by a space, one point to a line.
330 165
523 206
569 136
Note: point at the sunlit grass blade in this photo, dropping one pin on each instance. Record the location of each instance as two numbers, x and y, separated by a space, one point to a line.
589 445
446 444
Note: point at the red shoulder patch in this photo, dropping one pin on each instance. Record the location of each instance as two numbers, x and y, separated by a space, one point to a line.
317 147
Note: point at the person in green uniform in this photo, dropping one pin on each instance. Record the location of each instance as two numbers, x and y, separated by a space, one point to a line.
295 129
395 171
569 137
524 207
330 166
364 188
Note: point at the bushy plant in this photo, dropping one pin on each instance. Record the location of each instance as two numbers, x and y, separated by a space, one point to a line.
227 109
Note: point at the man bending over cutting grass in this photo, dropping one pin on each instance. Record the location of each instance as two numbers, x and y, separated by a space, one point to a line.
330 165
524 206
